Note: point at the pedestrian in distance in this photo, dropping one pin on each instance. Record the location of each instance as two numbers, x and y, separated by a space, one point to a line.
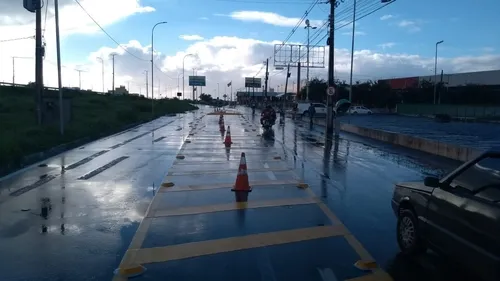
312 112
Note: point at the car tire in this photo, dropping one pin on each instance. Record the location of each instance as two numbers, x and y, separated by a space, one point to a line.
369 113
408 234
355 113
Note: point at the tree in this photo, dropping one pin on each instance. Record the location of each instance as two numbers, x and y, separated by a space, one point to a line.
206 98
317 90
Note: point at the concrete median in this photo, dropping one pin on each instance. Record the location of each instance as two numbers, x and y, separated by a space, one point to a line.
447 150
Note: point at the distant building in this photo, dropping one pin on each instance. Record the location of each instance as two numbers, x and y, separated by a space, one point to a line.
490 78
258 96
119 91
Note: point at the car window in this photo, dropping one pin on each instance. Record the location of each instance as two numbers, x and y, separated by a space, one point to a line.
319 105
483 174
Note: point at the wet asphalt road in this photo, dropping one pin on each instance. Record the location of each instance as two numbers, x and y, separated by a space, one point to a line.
478 135
100 198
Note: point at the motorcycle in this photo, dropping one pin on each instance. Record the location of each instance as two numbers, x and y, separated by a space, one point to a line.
267 122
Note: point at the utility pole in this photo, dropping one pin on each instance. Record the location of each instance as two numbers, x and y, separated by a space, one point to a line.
59 78
352 49
193 86
113 84
39 53
331 79
308 27
145 71
79 77
102 66
13 71
286 85
440 87
267 78
298 79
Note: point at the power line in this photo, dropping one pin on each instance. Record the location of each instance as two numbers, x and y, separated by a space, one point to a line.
16 39
342 26
266 2
294 29
110 37
46 4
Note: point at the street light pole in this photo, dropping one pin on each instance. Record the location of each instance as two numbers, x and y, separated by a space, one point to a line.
102 66
308 27
435 70
152 61
352 49
183 81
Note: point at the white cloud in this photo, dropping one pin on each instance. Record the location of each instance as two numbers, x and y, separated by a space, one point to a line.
222 59
73 20
409 25
357 33
387 45
269 18
203 18
193 37
488 49
386 17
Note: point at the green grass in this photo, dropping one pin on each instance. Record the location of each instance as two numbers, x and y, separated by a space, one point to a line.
93 115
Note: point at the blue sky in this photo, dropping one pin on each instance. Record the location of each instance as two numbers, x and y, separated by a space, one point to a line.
396 41
467 29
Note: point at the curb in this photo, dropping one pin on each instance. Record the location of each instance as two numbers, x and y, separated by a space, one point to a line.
447 150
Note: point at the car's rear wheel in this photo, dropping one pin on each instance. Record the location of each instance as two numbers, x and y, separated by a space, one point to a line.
408 234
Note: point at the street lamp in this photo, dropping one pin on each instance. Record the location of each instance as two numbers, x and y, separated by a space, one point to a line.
308 27
102 66
186 55
152 57
435 69
387 2
178 84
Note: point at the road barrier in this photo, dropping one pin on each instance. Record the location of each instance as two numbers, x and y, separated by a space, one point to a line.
447 150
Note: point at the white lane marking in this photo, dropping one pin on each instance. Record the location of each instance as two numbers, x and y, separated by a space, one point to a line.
327 274
270 174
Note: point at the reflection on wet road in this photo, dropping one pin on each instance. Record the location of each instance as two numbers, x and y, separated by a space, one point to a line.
75 217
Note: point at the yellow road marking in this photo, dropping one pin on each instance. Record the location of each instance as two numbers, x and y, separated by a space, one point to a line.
189 162
226 185
202 248
353 242
226 171
377 275
358 247
230 207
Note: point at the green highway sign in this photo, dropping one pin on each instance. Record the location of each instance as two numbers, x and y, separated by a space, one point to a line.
252 82
197 81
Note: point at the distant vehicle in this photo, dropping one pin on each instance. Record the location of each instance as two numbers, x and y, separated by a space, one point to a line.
303 108
458 215
358 110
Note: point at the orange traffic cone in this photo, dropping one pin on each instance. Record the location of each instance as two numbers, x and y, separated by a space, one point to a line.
242 184
227 140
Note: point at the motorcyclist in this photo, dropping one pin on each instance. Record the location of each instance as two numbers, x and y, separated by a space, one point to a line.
268 113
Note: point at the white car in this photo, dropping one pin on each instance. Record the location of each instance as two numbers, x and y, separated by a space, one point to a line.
359 110
304 108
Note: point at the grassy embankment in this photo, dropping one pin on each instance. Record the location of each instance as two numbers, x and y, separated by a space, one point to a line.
93 115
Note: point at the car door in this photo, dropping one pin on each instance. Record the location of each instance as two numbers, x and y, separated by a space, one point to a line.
461 222
320 108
